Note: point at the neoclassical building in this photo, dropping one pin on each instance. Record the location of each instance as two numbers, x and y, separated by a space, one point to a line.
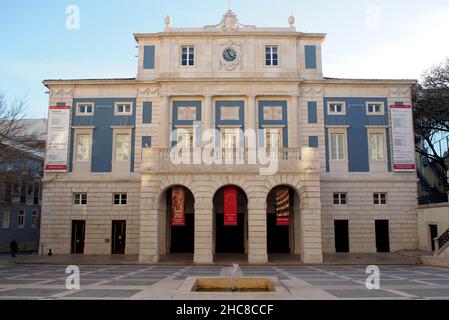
257 97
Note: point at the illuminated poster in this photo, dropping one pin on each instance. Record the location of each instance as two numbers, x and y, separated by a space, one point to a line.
282 207
57 139
178 206
230 206
403 139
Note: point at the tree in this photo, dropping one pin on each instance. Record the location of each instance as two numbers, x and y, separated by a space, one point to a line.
431 112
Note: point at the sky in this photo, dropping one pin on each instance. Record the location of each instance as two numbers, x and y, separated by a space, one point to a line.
365 38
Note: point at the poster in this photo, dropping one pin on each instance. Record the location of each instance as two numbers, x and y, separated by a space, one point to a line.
178 206
403 138
230 206
57 139
282 207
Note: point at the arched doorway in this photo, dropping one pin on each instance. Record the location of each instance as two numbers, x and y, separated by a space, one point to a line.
282 221
177 232
230 237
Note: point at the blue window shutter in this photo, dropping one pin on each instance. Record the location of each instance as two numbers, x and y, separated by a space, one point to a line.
148 57
146 142
313 142
312 111
147 112
310 52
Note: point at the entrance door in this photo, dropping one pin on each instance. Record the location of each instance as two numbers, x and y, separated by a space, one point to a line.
118 237
78 235
382 236
433 234
341 235
278 237
230 239
182 237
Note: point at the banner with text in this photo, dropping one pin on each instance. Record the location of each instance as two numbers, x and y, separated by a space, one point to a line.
230 206
282 207
56 159
178 206
403 139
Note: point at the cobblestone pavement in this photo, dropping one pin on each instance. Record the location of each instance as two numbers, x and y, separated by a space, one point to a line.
166 282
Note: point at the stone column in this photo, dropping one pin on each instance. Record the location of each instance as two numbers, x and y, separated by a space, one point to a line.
203 231
251 117
149 222
293 122
310 215
164 123
257 231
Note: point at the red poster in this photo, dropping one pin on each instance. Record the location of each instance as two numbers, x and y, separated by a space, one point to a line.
282 207
178 206
230 206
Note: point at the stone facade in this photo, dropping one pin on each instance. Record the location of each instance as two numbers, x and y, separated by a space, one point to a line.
162 82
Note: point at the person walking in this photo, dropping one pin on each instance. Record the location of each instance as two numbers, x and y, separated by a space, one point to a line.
14 246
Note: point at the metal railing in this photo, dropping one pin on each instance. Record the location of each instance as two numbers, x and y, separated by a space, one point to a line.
441 243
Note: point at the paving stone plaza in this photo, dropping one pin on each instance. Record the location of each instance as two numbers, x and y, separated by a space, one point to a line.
169 282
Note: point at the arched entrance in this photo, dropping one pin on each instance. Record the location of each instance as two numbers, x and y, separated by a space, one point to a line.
231 234
177 230
282 221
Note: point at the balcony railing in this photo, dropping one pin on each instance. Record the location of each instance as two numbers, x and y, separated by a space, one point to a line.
285 160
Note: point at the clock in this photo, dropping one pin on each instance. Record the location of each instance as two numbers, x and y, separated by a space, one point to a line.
229 54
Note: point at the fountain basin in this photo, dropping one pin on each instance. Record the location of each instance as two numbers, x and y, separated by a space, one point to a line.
241 285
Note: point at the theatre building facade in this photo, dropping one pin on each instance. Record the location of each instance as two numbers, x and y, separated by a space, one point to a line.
229 142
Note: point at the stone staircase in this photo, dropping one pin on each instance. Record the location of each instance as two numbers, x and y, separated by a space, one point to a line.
441 255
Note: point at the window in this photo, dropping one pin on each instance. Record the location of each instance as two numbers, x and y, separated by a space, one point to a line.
122 147
85 109
271 56
21 219
34 219
83 146
36 195
380 198
230 139
123 109
340 198
337 146
336 108
6 221
375 108
187 56
376 147
273 139
80 198
185 139
30 191
120 199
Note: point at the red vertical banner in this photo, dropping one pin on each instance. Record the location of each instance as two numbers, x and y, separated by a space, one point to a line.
230 206
282 206
178 206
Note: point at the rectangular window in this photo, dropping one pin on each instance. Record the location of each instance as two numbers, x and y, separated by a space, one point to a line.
34 219
83 146
6 221
271 56
123 109
230 139
380 198
85 109
376 147
120 199
36 194
375 108
340 198
80 198
185 139
21 219
336 108
122 147
188 56
337 146
273 139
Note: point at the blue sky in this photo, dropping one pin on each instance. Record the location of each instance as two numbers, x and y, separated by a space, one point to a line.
366 39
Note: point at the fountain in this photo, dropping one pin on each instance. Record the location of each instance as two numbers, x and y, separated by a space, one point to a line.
231 280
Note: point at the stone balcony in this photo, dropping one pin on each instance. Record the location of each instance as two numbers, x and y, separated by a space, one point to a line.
240 160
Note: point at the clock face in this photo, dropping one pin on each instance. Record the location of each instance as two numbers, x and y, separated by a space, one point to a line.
229 54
